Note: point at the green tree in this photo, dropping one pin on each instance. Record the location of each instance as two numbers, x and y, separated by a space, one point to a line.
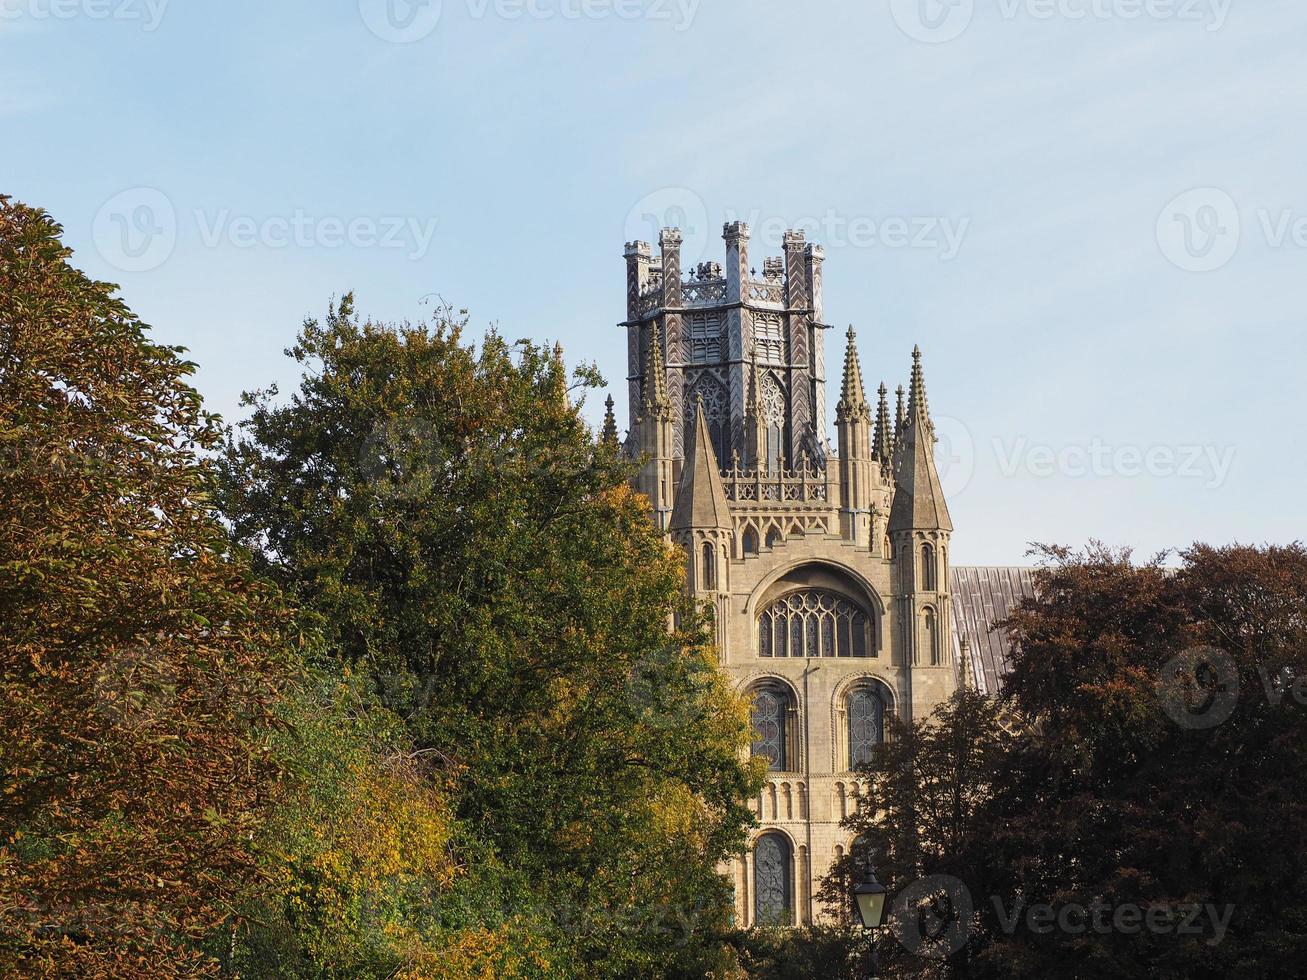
138 657
475 552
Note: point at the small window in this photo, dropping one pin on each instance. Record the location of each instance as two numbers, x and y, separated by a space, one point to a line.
750 542
929 578
709 567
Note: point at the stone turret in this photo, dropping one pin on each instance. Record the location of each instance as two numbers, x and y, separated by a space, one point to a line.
657 474
919 529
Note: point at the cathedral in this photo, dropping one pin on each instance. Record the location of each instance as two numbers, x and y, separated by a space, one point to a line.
829 568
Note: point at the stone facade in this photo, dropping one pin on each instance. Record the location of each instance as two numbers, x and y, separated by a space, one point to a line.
828 567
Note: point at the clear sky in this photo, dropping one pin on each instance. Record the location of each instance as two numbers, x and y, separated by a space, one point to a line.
1091 214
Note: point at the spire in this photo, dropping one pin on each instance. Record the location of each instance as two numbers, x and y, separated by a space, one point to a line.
853 400
900 417
918 498
655 379
610 423
918 405
883 446
700 496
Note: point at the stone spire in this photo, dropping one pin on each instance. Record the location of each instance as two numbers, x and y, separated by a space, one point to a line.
918 498
853 399
656 401
700 496
609 436
918 404
883 445
900 418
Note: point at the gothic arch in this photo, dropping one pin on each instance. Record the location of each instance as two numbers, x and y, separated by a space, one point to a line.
859 586
840 761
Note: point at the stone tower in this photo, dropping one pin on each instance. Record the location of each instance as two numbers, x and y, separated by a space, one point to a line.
828 571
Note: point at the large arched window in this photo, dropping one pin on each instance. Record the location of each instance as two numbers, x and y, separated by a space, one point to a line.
814 623
774 728
773 888
865 708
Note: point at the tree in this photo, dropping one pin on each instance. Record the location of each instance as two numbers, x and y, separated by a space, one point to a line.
923 825
478 555
138 657
1168 775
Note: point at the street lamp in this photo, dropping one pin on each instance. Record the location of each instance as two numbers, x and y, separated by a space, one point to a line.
869 899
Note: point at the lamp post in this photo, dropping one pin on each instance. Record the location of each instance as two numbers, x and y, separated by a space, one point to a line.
869 897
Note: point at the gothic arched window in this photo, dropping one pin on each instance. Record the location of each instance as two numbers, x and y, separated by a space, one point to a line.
815 623
709 567
713 395
930 636
864 720
929 576
772 881
773 730
750 544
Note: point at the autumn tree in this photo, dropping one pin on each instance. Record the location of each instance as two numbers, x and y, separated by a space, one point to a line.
477 554
138 657
1169 771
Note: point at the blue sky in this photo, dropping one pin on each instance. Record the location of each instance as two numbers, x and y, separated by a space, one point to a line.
1104 201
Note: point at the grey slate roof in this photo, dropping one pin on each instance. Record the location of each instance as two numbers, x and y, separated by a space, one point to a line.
981 596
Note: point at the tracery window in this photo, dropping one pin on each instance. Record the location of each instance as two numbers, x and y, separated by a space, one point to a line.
772 707
864 709
713 395
772 886
773 415
814 623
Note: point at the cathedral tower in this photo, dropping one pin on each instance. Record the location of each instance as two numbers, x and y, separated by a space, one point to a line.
828 572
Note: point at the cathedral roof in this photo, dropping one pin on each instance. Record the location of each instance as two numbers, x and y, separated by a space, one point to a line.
981 597
700 496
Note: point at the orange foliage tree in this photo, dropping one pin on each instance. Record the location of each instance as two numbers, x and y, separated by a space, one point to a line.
138 657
